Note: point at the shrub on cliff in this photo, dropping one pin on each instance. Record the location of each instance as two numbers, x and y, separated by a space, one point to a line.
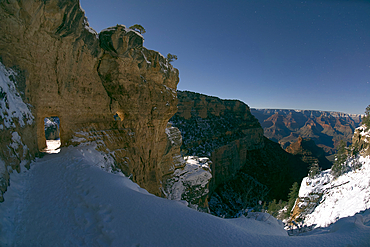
138 28
292 196
171 57
274 208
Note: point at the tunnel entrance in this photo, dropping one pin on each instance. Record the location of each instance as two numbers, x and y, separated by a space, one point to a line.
52 132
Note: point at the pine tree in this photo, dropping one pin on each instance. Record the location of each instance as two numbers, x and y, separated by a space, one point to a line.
292 196
340 158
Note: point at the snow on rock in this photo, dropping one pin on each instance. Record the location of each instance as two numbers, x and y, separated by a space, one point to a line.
12 106
66 199
361 140
174 135
325 199
190 183
364 131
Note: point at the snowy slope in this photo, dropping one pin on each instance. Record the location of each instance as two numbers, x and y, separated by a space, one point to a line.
324 199
66 199
190 183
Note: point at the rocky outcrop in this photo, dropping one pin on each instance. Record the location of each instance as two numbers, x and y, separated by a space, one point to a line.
325 128
361 140
246 167
191 183
309 153
104 87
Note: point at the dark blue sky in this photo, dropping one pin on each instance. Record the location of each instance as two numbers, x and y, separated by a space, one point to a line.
268 53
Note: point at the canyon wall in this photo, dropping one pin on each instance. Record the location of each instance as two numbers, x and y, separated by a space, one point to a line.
104 87
325 128
208 124
246 166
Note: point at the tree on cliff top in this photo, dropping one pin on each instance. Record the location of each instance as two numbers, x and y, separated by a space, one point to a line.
366 119
171 57
138 28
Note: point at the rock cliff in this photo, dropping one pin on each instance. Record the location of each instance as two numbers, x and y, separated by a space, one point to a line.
361 140
207 123
246 167
104 87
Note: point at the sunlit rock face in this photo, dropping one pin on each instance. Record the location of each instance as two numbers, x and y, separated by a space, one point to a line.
325 128
103 87
308 152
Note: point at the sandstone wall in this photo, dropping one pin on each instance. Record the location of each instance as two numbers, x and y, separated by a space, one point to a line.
86 78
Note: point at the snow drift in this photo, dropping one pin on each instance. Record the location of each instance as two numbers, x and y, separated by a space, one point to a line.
67 199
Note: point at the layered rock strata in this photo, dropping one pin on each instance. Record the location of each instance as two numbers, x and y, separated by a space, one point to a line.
325 128
105 87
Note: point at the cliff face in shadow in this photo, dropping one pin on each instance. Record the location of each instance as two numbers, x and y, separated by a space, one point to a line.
246 166
207 123
104 87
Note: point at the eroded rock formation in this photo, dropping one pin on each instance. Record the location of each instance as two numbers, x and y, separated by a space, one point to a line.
104 87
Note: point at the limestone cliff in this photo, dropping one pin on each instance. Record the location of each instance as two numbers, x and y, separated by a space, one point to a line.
104 87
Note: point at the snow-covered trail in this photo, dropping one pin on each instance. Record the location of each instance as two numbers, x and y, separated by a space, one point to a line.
55 206
66 199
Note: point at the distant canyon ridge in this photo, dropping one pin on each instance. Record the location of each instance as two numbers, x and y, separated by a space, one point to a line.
325 128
